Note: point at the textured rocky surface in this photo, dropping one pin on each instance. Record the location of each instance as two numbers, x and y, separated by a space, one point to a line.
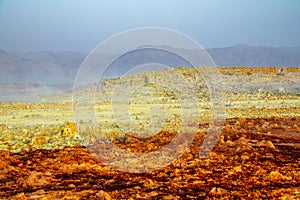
254 158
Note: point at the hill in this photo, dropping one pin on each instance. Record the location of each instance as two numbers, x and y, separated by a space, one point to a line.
55 68
250 56
43 67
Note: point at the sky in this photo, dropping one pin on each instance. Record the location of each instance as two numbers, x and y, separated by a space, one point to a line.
80 25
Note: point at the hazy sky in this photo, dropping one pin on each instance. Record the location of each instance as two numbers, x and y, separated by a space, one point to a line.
33 25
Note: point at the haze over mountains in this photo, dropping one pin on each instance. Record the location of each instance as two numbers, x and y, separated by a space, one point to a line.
57 68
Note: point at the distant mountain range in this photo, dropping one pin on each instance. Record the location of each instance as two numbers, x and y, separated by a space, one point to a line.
250 56
55 68
44 67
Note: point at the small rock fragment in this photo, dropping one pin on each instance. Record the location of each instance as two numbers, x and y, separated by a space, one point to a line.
20 196
217 191
270 144
39 140
103 195
235 170
277 176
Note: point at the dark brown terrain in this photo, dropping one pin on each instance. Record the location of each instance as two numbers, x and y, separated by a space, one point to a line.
254 159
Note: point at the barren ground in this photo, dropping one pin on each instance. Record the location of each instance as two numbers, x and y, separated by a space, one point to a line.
257 155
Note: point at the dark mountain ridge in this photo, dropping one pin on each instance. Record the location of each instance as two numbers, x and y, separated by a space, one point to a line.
250 56
55 68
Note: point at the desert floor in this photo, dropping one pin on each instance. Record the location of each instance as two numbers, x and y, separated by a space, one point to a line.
257 155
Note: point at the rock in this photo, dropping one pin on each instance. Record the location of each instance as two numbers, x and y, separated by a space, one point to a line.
102 195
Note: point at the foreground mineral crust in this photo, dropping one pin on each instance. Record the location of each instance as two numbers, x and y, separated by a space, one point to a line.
255 158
